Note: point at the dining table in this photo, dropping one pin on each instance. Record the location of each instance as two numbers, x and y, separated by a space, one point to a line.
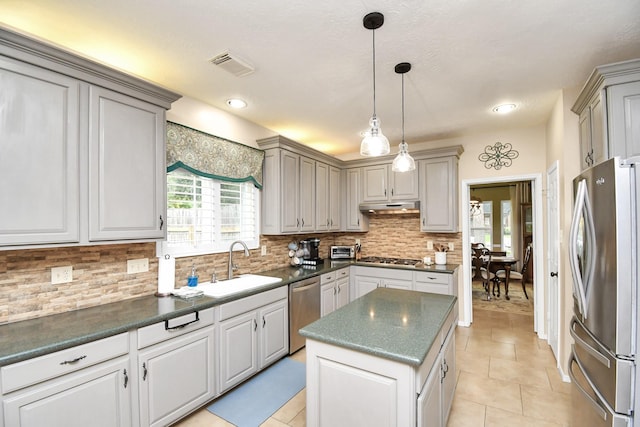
503 263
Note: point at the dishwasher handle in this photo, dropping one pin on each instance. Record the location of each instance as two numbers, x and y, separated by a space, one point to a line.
302 287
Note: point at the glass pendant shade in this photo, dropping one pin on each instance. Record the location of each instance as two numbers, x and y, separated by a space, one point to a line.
374 142
403 161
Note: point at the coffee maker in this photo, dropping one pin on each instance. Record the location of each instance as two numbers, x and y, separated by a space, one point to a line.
311 251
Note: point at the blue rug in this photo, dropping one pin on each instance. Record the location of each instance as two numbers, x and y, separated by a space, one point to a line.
251 403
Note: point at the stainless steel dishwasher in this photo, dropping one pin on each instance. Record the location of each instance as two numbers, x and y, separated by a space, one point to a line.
304 308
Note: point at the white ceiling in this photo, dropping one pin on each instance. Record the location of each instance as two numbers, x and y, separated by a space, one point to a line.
313 60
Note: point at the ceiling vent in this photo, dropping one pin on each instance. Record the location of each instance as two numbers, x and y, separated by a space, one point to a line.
232 64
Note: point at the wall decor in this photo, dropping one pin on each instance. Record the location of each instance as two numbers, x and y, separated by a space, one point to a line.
498 155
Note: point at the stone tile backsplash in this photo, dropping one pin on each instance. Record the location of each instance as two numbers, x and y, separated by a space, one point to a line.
100 272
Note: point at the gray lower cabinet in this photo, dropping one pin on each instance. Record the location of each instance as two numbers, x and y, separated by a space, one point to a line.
366 279
334 290
253 333
85 385
437 283
175 367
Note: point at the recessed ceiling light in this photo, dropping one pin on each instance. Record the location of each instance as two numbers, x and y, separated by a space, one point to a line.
236 103
504 108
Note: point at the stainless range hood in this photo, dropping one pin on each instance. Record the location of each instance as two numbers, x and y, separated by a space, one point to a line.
390 208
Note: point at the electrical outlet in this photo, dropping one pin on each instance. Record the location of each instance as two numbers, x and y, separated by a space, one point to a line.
61 275
357 241
263 250
450 246
137 265
429 245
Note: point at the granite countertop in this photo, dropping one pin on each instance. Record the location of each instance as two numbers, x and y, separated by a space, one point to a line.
36 337
393 324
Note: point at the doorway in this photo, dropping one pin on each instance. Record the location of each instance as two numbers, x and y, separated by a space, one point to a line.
535 181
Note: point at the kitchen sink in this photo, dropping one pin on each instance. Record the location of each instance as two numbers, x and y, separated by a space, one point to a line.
238 284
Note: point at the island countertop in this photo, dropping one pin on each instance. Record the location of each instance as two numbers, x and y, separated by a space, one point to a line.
390 323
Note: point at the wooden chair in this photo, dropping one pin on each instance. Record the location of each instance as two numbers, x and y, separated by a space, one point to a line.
515 275
484 254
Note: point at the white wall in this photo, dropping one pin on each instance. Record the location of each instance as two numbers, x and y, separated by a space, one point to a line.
203 117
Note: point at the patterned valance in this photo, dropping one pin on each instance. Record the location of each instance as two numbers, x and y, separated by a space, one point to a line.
211 156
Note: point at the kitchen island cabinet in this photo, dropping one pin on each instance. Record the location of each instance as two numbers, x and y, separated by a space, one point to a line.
382 360
366 279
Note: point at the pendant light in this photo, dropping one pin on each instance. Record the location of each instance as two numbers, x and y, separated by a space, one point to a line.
374 142
403 161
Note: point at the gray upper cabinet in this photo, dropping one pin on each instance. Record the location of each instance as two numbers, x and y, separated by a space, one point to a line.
127 197
439 194
609 112
39 141
327 201
354 219
381 184
83 146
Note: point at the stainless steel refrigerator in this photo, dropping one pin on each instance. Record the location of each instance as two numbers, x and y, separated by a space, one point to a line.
603 252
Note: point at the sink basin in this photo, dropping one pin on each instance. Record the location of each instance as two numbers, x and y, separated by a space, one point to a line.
238 284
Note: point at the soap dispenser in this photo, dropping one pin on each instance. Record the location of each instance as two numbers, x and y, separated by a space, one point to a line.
192 280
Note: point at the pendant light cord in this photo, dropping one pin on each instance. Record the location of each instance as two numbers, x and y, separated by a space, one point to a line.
374 71
402 107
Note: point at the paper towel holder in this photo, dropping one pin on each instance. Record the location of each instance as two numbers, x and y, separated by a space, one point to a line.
158 293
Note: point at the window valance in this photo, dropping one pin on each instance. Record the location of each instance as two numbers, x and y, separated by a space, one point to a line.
211 156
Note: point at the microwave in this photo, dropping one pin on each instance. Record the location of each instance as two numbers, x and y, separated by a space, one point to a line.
342 252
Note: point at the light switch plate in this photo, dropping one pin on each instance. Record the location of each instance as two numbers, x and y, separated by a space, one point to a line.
429 245
61 275
263 250
451 246
137 265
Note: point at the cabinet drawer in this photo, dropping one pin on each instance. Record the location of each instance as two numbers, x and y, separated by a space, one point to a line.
175 327
33 371
234 308
342 273
327 277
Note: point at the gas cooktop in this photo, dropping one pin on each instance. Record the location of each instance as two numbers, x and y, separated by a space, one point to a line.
391 261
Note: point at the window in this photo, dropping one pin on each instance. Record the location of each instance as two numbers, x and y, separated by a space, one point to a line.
505 216
206 215
482 225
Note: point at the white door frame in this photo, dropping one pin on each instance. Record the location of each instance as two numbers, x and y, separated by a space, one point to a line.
538 253
553 299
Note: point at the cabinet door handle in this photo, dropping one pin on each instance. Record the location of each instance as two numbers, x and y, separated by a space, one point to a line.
297 222
71 362
385 192
424 221
334 291
264 322
144 372
338 289
358 222
161 222
303 222
392 192
126 379
255 325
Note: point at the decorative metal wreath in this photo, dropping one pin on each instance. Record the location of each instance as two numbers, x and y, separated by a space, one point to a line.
498 155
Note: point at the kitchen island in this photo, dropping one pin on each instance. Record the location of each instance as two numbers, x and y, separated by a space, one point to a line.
385 359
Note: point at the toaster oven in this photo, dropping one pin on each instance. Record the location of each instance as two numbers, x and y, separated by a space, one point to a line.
342 252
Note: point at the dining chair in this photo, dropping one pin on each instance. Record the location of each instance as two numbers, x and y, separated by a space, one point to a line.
518 275
484 254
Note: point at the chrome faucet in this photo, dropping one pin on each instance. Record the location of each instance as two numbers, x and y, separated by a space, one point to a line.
233 267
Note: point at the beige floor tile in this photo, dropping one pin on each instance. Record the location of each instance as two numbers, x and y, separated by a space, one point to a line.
546 405
461 340
556 382
484 347
472 363
514 336
203 418
300 420
465 413
490 392
498 418
535 357
272 422
519 372
289 410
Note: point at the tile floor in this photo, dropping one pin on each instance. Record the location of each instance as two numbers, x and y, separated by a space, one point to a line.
506 377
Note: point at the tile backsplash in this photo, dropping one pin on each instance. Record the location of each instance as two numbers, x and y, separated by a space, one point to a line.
100 272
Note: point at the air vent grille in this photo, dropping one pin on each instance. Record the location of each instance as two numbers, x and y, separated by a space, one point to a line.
232 64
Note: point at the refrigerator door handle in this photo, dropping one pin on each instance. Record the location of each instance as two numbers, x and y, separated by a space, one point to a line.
590 349
598 408
582 280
